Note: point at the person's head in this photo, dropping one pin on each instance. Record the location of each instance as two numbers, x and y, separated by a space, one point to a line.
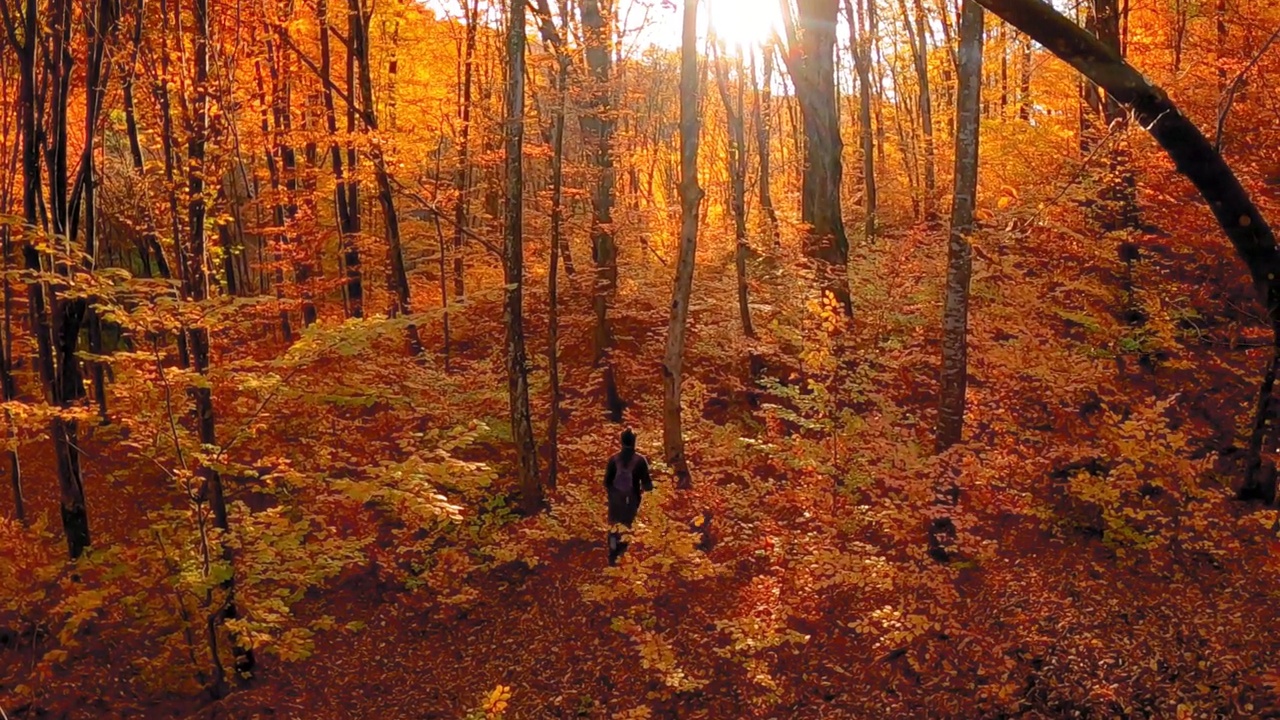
628 439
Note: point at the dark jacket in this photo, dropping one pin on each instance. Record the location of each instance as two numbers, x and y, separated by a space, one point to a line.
624 506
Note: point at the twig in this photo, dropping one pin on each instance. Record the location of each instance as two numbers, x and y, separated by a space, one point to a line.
1235 85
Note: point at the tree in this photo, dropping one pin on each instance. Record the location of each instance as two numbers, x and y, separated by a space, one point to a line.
737 161
690 197
344 185
761 113
462 174
197 289
513 268
1196 158
860 46
955 317
809 57
599 124
919 43
555 39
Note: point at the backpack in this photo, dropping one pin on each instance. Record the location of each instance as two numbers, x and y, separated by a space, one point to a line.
624 475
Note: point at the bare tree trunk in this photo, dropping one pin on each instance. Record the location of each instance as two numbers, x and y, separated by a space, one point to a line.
860 45
920 54
1118 208
278 213
348 225
554 38
8 385
169 149
398 278
955 319
735 126
461 182
150 238
811 65
690 198
197 281
1024 82
762 111
599 125
1220 18
513 266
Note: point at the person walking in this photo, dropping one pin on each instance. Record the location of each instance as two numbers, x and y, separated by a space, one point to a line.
626 479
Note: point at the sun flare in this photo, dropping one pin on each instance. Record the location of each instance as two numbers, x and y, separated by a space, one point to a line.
745 22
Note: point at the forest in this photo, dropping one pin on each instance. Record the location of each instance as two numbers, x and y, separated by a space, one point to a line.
948 331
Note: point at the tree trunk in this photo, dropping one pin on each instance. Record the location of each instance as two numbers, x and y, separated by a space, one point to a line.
197 282
8 384
920 55
552 37
397 277
737 162
1119 195
811 65
860 45
513 266
1192 154
598 126
690 198
955 318
347 223
462 174
1024 81
762 112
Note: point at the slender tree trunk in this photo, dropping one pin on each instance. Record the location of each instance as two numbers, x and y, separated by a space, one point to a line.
690 198
347 224
513 266
197 281
920 54
955 321
735 126
398 278
169 149
859 42
67 313
1220 18
8 384
599 124
1024 81
461 182
762 112
278 213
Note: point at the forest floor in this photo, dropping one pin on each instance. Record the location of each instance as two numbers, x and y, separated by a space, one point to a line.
817 597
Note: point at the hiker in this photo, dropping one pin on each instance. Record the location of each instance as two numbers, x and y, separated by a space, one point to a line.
626 478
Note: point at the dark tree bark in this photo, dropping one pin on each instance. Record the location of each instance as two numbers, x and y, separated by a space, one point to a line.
1024 79
599 124
955 318
1194 156
197 287
810 62
762 113
397 276
150 236
348 216
690 198
462 174
737 161
555 39
513 267
860 45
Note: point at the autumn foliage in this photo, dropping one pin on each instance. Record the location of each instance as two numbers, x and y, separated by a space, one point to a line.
271 449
